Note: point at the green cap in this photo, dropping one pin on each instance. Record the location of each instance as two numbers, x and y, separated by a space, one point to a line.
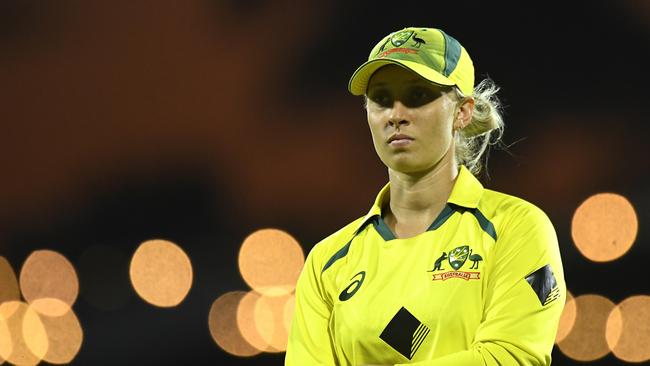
429 52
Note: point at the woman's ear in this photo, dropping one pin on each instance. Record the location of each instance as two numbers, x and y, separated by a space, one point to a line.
464 113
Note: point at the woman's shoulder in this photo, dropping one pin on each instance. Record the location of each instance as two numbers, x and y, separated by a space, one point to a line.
507 207
521 226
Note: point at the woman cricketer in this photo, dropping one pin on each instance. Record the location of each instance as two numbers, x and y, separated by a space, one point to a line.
441 271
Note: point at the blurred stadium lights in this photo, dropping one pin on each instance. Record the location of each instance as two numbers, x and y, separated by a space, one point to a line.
604 227
9 289
45 327
161 273
586 340
270 261
628 329
22 322
45 275
222 322
568 318
64 333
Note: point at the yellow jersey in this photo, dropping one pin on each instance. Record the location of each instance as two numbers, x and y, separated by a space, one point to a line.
484 285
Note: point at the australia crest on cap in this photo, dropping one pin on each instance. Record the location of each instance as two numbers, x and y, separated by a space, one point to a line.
400 37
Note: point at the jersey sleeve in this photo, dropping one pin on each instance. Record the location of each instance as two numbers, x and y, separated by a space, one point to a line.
309 341
523 300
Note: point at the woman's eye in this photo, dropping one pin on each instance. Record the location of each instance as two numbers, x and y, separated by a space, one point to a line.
420 97
420 94
381 99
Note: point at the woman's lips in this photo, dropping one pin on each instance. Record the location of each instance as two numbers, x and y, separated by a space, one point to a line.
400 140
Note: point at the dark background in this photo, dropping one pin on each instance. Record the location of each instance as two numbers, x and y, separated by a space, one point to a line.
203 121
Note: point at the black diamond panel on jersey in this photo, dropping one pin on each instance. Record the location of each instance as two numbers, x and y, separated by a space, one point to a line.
405 333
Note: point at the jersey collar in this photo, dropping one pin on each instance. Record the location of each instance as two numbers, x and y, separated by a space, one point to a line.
466 192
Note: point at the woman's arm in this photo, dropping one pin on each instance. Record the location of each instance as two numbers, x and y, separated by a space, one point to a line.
309 340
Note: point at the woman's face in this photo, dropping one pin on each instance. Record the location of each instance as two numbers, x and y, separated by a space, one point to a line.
411 119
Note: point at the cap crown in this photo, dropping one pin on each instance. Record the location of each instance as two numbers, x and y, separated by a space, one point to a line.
427 51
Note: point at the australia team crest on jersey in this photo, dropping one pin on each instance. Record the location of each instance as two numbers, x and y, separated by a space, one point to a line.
456 258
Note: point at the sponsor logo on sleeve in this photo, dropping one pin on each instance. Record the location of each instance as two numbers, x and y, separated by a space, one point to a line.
544 284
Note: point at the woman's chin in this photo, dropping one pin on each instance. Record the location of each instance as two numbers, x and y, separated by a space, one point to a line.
407 166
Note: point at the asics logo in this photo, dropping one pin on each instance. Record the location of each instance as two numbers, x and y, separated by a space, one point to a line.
353 287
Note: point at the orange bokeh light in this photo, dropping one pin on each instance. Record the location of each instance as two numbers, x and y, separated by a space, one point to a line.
262 320
6 344
161 273
568 318
628 329
586 340
604 227
64 335
289 309
9 290
247 324
270 320
23 322
270 261
222 322
34 334
48 274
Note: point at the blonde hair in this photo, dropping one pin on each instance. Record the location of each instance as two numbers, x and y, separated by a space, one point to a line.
484 130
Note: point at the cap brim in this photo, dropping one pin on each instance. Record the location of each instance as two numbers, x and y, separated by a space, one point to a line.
359 81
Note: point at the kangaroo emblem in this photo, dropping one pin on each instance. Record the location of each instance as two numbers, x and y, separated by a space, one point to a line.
381 49
437 266
418 41
474 258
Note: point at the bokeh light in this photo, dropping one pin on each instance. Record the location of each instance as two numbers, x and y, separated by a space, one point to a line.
222 322
289 309
247 324
64 336
567 319
34 334
6 344
604 227
586 340
269 318
262 320
628 329
161 273
48 274
270 261
22 319
9 290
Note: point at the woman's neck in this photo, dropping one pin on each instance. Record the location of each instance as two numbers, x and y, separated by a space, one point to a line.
417 199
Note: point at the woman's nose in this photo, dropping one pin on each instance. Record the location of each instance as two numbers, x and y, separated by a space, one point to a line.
398 115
